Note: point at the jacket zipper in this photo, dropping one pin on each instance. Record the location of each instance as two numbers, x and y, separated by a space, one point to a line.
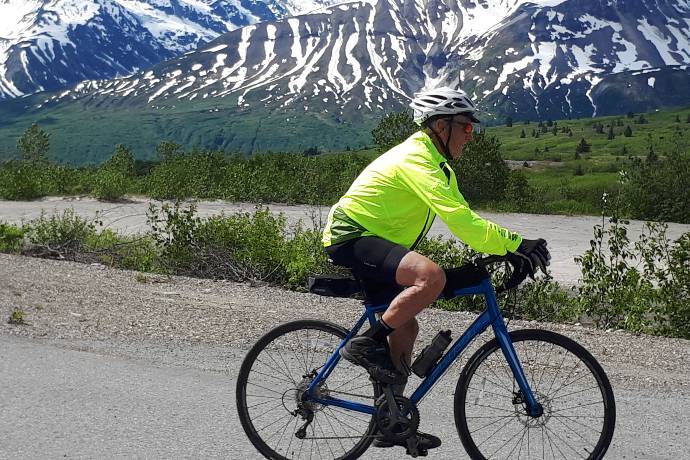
424 231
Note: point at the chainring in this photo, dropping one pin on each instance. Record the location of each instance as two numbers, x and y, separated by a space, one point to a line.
402 428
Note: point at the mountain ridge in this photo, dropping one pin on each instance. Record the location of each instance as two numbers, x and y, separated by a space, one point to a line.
331 74
48 44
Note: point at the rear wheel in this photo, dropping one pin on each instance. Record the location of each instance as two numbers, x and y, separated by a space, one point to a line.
579 409
272 380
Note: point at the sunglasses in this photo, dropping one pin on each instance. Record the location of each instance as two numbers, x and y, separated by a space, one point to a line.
468 127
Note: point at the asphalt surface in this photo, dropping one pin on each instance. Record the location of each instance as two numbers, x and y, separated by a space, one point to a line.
112 402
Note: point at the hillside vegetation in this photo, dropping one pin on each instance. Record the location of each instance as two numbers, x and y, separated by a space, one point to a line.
573 167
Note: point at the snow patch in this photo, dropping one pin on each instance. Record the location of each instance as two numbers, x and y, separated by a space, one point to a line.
658 39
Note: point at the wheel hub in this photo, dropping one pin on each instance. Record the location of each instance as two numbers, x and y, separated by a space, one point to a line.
521 411
321 391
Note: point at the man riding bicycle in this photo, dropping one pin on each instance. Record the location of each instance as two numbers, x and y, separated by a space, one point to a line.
375 227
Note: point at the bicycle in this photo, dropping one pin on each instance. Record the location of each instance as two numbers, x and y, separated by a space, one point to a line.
530 393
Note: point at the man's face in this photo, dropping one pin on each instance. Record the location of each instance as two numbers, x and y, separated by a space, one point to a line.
460 134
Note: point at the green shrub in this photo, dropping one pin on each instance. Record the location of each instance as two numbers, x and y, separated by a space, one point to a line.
127 252
614 292
244 246
114 177
11 238
658 189
23 180
17 317
542 300
60 235
482 174
393 129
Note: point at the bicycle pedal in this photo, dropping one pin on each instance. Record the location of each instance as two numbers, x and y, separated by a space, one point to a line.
413 449
417 453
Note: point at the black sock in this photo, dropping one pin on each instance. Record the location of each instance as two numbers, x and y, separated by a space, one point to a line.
379 331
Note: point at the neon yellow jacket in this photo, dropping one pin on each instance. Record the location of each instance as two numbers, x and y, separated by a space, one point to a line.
400 193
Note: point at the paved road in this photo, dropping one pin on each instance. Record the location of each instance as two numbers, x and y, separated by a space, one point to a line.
178 402
568 236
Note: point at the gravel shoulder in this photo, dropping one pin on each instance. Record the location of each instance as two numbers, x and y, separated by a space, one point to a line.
123 313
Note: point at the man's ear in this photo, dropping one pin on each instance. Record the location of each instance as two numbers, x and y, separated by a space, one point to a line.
439 124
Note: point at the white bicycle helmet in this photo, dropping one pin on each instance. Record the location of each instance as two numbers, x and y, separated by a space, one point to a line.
442 101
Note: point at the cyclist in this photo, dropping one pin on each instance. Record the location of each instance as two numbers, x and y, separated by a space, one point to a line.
375 227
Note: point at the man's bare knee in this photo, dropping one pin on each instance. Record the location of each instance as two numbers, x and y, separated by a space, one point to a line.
421 272
433 280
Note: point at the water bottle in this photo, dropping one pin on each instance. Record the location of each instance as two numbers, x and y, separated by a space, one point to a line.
431 354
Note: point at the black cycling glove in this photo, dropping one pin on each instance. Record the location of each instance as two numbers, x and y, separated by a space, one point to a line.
529 257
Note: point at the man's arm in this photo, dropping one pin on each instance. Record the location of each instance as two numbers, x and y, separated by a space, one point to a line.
430 183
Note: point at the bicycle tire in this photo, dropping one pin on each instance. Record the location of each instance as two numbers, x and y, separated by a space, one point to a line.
595 419
294 350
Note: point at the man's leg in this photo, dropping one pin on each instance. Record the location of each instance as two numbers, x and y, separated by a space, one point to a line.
425 281
401 342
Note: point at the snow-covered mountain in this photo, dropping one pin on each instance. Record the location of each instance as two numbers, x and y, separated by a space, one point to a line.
539 59
48 44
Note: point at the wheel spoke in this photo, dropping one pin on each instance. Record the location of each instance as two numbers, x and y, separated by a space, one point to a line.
575 415
272 379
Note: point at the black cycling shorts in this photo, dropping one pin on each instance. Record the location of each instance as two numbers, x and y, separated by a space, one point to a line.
369 257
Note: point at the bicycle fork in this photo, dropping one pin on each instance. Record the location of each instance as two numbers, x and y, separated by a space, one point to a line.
526 395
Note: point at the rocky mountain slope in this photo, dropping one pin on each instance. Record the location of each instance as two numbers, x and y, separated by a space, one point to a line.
49 44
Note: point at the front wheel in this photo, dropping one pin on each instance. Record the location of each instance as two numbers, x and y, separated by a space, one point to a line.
579 409
275 415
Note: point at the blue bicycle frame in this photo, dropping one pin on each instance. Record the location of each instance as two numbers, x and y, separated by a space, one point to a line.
490 316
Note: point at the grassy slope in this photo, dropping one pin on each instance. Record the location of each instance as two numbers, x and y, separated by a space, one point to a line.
87 134
661 127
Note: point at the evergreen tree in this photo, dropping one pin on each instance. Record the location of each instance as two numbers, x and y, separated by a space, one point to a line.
611 135
641 120
599 128
624 151
34 144
677 118
522 134
509 122
583 147
630 115
628 131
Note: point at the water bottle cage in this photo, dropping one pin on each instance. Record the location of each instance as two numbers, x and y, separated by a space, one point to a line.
431 354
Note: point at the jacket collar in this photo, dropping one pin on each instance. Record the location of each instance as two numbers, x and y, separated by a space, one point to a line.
424 138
